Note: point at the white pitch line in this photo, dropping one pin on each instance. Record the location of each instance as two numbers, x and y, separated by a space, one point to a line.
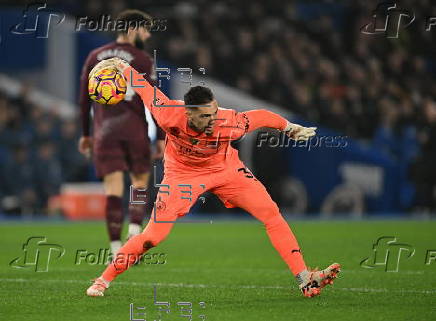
183 285
259 270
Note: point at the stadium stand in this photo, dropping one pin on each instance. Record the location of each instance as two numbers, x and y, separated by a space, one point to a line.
319 66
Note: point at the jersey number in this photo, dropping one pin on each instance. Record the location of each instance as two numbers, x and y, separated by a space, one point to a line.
247 172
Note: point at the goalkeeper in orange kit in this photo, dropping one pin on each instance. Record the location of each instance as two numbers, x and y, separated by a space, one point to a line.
198 153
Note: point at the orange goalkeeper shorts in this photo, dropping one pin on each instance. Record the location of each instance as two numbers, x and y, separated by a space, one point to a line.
235 186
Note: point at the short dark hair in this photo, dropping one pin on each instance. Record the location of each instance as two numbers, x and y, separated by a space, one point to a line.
133 18
198 95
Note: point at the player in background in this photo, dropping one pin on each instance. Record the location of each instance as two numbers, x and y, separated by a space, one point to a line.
198 153
119 141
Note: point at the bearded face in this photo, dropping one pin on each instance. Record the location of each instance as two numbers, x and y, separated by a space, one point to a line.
139 43
140 37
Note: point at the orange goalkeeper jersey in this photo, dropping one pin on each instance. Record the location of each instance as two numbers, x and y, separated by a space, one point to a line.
188 149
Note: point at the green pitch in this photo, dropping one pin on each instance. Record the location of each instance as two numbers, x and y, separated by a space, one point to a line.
226 271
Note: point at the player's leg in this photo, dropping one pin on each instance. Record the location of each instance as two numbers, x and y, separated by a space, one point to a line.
138 156
246 192
110 163
139 184
130 253
154 233
170 204
113 187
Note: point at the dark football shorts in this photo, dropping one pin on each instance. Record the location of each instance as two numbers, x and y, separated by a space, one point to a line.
112 155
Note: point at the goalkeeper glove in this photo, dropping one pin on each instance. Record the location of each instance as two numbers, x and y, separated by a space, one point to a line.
298 132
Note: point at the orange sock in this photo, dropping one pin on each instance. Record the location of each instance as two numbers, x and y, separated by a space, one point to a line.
131 251
285 243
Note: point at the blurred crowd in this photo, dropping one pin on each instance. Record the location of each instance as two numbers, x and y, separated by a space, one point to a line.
38 152
307 56
313 59
320 67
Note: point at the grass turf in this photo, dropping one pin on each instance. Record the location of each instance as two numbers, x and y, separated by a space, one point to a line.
232 267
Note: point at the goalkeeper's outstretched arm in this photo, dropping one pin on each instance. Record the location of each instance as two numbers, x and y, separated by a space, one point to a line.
265 118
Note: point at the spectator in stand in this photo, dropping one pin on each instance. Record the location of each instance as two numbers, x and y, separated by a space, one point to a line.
48 176
74 166
423 170
18 183
36 154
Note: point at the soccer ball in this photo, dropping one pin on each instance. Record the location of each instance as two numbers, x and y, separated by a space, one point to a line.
107 87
